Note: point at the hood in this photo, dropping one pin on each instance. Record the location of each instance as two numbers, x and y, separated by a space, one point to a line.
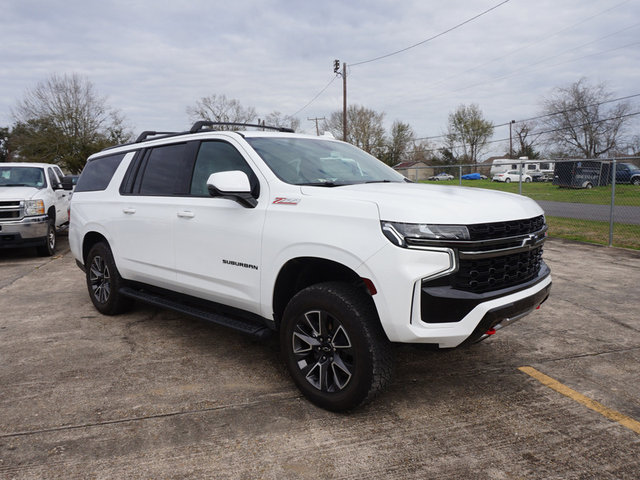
420 203
18 193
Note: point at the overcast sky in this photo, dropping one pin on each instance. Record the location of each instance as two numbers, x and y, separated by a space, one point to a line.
152 59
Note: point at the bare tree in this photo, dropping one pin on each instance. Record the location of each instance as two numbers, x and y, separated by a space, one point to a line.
468 133
365 128
581 122
219 108
526 136
277 119
63 120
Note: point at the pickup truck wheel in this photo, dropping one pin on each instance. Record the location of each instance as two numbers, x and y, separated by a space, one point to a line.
334 346
49 247
104 281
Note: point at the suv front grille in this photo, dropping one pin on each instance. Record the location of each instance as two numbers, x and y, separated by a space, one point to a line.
494 273
10 209
489 231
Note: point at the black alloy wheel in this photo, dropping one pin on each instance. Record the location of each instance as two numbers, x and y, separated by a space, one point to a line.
104 281
323 351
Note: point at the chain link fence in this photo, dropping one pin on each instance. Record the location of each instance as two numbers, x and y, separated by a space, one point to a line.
589 200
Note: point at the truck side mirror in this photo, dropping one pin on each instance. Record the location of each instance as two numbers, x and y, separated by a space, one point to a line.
233 185
67 183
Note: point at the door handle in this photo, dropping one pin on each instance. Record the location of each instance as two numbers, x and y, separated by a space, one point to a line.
186 214
129 210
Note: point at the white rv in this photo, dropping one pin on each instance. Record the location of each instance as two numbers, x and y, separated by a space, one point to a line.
539 170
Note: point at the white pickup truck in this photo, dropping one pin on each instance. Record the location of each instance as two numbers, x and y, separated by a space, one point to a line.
34 203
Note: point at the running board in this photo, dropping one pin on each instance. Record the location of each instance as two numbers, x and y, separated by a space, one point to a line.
239 324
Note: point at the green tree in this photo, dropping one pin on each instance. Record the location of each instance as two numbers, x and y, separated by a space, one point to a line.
63 120
399 146
468 133
5 134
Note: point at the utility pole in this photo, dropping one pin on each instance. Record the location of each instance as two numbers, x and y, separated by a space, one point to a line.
510 139
336 70
316 120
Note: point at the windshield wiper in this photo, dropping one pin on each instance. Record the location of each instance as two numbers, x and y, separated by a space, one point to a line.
323 184
15 185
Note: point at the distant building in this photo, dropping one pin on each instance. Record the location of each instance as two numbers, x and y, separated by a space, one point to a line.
415 171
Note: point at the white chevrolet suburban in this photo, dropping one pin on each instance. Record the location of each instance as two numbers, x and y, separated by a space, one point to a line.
310 237
34 203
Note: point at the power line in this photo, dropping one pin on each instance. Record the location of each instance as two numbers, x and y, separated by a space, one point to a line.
545 38
317 95
430 38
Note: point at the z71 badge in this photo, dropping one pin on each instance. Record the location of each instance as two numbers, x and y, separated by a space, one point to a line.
286 201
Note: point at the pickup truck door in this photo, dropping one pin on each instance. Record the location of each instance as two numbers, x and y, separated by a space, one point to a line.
218 242
60 195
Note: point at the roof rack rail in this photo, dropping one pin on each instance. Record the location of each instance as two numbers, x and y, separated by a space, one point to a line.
203 123
150 133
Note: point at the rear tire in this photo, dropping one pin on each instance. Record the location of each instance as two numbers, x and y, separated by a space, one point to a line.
635 181
334 346
507 180
104 281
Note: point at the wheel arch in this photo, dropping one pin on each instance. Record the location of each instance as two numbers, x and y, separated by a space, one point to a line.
89 240
301 272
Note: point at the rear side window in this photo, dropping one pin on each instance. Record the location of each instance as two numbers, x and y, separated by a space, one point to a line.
98 173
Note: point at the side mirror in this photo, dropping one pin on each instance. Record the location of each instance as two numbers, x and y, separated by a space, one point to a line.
233 185
67 183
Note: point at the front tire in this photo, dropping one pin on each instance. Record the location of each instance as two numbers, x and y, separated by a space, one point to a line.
49 247
104 281
334 346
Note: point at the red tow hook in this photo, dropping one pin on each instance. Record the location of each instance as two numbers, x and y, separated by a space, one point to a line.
491 331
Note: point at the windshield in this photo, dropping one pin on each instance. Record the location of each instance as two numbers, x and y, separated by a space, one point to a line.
21 177
307 161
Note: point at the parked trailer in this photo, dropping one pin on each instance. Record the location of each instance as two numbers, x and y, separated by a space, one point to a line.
582 174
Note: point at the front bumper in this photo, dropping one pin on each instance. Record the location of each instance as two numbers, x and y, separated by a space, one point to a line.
29 231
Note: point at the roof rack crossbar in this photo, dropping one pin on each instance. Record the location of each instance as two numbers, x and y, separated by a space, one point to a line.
203 123
150 133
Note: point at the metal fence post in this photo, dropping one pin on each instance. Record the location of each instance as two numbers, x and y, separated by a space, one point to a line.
613 201
520 179
460 175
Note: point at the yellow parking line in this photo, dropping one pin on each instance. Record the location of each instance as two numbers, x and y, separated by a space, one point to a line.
623 420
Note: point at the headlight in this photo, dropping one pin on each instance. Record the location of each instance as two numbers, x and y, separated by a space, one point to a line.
33 207
402 233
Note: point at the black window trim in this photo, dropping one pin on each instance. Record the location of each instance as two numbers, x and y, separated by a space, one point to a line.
199 143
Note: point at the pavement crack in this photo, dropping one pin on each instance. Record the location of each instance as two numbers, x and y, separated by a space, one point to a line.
277 396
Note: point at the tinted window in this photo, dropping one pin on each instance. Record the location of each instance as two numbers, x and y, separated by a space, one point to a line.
98 173
164 170
214 157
